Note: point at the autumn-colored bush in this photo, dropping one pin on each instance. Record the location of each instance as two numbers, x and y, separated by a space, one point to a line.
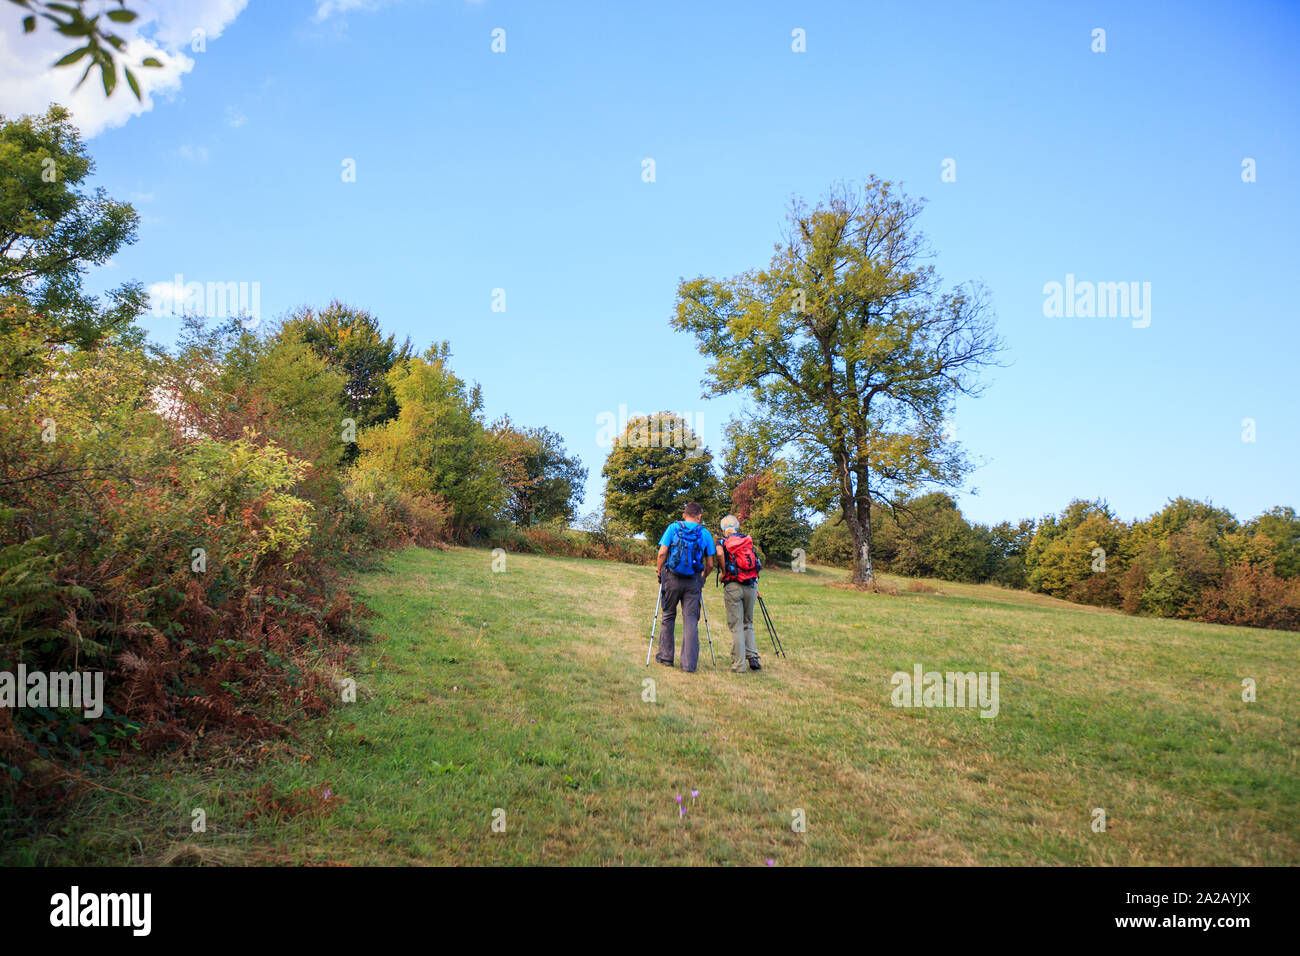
1100 589
169 551
384 514
176 519
1252 596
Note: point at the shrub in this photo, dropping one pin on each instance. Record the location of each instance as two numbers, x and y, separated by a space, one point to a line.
385 514
557 540
832 544
171 557
1253 597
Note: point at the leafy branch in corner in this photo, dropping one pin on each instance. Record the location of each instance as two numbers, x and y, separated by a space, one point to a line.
70 19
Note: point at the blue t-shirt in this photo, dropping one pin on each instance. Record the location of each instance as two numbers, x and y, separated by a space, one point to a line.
670 533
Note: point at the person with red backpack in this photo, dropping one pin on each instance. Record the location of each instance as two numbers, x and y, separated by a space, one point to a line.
738 567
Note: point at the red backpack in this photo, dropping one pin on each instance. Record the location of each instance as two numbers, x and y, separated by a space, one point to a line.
739 562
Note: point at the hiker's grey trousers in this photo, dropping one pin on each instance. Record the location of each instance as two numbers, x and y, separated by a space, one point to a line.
739 600
687 591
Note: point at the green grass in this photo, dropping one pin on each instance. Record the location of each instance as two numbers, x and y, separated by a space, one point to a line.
523 691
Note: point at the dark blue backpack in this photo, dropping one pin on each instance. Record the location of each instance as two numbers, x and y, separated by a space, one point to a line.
686 557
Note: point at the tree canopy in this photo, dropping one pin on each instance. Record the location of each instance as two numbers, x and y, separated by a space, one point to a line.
654 469
437 443
851 351
351 341
52 231
543 480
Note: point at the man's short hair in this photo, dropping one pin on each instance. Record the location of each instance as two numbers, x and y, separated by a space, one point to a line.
730 522
693 510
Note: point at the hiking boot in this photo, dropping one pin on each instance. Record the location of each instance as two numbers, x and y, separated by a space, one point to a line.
663 662
754 665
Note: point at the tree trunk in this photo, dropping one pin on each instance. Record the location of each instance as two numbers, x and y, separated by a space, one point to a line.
863 572
864 575
859 521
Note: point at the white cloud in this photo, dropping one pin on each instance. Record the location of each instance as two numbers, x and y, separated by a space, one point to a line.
235 117
29 82
178 19
195 154
328 8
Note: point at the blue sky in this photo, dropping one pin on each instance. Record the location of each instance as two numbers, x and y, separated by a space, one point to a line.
522 171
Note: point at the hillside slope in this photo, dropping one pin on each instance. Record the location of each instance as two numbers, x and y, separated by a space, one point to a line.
522 692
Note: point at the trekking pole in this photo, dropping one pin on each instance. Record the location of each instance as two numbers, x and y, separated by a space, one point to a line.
771 631
654 624
706 630
771 628
768 623
772 624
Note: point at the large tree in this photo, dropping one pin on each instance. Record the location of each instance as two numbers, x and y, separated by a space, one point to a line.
851 350
655 467
52 231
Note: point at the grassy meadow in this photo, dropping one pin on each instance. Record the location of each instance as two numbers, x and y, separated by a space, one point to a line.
522 692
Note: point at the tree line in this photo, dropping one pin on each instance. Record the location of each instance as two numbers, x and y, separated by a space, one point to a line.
1190 560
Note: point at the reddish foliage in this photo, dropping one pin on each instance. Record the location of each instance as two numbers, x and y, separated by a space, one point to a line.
744 498
1251 596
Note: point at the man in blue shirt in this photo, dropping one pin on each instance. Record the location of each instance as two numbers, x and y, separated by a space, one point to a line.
686 553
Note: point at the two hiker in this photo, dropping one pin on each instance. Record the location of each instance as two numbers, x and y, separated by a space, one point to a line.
686 556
